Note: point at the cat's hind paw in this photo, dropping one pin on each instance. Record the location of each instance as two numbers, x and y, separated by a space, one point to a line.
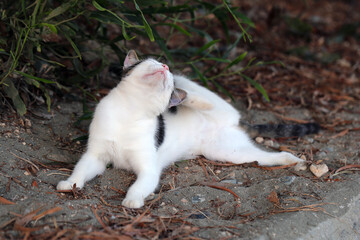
300 166
66 185
301 163
133 203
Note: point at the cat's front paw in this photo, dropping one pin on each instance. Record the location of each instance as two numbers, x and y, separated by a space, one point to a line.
66 185
133 203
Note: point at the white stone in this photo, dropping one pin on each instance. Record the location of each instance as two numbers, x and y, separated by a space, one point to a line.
319 169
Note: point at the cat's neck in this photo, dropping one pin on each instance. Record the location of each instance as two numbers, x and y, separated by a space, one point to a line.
137 102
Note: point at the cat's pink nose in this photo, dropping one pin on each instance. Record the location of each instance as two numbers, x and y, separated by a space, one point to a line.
165 66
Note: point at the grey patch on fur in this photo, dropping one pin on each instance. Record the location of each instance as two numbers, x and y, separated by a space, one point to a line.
281 130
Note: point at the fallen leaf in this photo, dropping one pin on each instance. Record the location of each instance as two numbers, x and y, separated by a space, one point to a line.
273 198
5 201
34 184
347 167
274 168
22 221
25 229
340 134
291 119
224 189
47 212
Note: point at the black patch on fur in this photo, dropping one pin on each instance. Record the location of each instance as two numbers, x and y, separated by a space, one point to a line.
287 130
160 131
173 110
116 69
126 71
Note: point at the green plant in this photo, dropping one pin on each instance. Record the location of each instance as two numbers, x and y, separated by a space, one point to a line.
43 42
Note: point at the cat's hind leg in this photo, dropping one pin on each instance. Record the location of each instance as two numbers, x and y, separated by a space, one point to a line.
86 169
231 144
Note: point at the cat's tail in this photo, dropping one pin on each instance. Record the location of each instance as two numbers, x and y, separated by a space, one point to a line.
280 130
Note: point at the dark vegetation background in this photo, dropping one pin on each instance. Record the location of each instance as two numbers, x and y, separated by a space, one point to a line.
51 48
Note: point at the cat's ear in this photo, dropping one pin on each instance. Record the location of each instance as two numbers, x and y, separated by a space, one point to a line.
177 97
131 59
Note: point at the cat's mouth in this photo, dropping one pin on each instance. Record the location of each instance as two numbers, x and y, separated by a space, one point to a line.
158 77
162 73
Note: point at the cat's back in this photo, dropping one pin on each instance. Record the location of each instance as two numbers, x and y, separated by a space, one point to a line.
216 108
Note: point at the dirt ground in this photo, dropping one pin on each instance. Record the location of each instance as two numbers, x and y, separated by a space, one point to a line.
199 199
196 198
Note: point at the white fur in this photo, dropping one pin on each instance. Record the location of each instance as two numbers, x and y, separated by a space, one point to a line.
124 125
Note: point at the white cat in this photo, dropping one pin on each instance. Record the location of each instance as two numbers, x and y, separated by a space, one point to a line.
134 129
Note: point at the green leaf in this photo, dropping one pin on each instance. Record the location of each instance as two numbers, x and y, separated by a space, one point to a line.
202 33
206 46
222 89
52 27
88 115
146 24
163 47
236 60
73 45
97 6
244 19
217 59
48 99
60 10
13 94
32 82
33 77
177 27
237 21
36 80
257 86
200 75
81 138
261 63
126 36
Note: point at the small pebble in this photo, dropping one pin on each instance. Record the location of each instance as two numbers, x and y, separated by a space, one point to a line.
288 180
319 170
197 216
217 171
231 175
232 181
174 210
184 201
197 198
269 143
27 123
322 154
259 139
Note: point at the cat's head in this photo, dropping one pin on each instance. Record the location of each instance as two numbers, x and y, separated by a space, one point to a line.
152 79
